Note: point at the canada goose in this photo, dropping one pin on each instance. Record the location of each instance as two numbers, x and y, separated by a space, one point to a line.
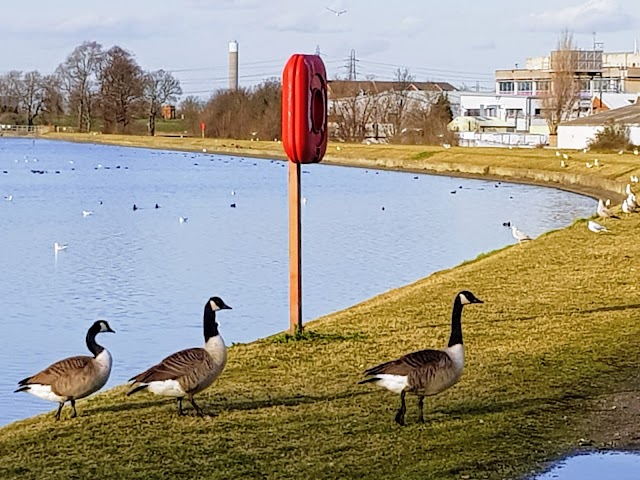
190 371
518 234
426 372
73 378
604 212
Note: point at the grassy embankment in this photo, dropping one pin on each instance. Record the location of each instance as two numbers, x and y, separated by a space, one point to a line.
557 338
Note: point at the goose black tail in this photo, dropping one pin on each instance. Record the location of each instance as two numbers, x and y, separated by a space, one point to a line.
24 388
136 389
367 380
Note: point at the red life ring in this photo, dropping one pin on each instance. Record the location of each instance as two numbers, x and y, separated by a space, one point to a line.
304 108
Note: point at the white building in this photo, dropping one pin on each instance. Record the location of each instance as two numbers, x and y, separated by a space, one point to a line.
521 112
577 134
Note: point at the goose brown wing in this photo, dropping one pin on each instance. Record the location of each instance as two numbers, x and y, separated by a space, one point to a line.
181 364
412 362
67 367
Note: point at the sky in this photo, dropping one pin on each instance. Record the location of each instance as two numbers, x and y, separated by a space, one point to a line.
462 42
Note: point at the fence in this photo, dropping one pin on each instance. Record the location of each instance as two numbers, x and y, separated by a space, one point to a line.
526 140
19 130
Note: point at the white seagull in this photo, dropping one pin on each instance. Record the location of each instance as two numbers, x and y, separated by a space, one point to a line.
596 227
8 198
86 213
337 13
183 219
518 234
628 207
58 247
604 212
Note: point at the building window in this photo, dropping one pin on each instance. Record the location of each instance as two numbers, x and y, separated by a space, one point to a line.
524 87
514 113
537 113
505 87
543 85
473 112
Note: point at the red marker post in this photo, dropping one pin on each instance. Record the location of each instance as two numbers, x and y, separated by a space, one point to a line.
203 126
304 137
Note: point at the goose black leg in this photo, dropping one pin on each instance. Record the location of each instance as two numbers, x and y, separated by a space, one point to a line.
73 404
403 409
420 405
180 411
198 409
59 410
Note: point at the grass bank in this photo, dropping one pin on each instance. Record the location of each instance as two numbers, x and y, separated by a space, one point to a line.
549 355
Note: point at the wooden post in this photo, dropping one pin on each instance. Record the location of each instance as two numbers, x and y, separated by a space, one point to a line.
295 253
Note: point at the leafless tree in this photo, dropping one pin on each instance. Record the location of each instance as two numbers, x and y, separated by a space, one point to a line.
32 95
395 103
78 77
53 103
354 115
9 94
121 89
191 109
160 87
563 97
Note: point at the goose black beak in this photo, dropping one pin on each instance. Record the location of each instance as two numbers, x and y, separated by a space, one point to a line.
477 300
110 330
226 307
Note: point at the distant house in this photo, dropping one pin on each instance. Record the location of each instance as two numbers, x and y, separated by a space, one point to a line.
169 112
610 101
576 134
381 109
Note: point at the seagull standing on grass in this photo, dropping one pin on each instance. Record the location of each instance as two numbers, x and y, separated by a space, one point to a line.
604 212
518 234
596 227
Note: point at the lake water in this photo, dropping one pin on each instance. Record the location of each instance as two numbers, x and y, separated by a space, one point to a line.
364 232
596 466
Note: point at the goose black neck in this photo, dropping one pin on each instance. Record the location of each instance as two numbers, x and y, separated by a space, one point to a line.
210 324
456 324
92 345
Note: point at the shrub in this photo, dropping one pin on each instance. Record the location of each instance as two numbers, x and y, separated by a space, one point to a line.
612 137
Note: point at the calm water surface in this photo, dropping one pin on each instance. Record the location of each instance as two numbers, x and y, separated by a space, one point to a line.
597 466
364 232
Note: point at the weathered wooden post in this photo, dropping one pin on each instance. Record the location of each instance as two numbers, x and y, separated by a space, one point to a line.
304 137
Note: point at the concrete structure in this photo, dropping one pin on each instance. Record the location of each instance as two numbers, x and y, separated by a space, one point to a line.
522 113
578 133
233 65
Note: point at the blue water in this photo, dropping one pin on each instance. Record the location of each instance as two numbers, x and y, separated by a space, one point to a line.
364 232
596 466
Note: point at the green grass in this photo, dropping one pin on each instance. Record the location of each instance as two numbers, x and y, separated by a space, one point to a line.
558 331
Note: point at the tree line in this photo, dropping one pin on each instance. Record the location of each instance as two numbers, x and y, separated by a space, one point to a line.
90 84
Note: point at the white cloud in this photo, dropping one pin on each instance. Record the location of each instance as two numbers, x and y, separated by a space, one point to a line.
593 16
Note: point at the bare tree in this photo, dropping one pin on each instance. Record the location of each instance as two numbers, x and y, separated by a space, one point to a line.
32 95
159 87
353 115
191 109
78 74
395 104
53 102
10 94
563 97
121 89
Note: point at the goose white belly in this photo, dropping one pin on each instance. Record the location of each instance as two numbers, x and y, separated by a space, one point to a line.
44 392
167 388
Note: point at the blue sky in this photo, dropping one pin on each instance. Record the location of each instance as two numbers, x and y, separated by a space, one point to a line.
463 41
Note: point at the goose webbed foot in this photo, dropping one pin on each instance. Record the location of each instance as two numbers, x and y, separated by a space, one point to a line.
401 412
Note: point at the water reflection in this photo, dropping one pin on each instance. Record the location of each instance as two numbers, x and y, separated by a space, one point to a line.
149 275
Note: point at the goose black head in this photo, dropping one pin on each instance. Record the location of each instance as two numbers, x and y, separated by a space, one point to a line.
466 298
216 303
102 326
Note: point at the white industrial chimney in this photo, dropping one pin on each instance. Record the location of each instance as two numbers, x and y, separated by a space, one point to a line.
233 65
